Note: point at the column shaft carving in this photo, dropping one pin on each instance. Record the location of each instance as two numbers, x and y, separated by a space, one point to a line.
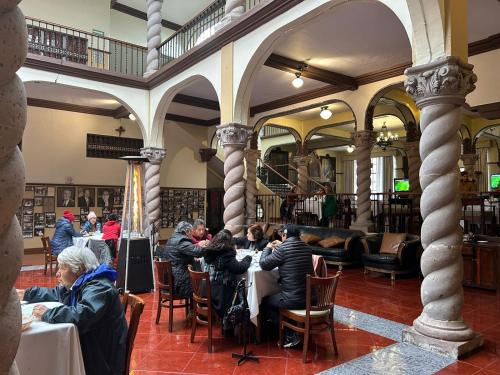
303 173
414 163
234 138
13 39
363 141
439 89
152 182
154 35
251 157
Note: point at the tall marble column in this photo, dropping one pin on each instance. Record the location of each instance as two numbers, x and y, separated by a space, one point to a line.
251 157
439 89
234 138
234 8
363 140
414 163
154 35
14 46
302 162
152 182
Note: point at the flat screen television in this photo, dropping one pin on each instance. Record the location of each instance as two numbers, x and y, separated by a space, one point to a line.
494 181
401 184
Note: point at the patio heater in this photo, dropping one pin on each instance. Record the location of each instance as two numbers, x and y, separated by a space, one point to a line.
135 258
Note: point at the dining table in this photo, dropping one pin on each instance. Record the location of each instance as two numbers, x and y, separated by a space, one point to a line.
48 349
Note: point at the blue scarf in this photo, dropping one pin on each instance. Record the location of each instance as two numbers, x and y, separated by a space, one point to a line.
102 271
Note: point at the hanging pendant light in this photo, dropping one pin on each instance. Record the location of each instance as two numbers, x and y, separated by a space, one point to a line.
325 113
298 82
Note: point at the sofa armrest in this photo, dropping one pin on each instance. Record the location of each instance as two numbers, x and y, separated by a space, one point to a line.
371 244
407 252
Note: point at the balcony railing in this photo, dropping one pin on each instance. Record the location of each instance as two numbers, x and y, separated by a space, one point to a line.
195 31
81 47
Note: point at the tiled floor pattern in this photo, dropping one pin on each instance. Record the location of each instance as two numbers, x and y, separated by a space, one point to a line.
366 342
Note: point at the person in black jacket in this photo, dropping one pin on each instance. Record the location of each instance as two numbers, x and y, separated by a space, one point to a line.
254 239
181 251
293 257
92 303
221 264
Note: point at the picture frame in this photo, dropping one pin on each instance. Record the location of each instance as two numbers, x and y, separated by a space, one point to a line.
86 196
66 196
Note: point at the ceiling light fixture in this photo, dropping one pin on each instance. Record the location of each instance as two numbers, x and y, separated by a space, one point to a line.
297 81
385 138
350 149
132 117
325 113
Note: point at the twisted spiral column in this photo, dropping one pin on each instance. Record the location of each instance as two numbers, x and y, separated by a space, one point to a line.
234 8
414 163
303 174
152 182
154 35
363 141
251 157
13 39
234 138
439 89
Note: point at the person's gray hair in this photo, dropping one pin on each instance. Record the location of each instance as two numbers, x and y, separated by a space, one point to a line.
199 222
76 258
183 227
91 214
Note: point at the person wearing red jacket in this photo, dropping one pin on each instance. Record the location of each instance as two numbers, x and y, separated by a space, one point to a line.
111 231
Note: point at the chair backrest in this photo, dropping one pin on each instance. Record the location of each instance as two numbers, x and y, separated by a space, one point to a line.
124 299
320 269
325 288
165 276
47 250
200 282
136 308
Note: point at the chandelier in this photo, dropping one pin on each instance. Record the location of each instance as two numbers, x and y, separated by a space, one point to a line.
385 138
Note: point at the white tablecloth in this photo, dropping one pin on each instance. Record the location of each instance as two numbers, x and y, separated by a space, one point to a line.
50 349
259 283
82 241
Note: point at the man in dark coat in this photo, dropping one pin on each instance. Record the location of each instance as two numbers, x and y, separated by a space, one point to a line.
293 258
63 236
181 251
92 303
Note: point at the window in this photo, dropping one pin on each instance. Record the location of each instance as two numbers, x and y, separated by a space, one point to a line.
377 176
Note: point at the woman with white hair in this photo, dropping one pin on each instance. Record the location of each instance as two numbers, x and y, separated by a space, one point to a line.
92 303
92 224
181 251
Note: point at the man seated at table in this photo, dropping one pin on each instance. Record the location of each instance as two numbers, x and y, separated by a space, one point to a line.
92 303
92 225
293 257
254 240
200 232
63 236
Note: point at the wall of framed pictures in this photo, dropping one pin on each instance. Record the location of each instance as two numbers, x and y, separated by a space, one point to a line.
44 204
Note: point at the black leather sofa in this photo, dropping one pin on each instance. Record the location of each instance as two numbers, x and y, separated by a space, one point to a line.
346 254
404 260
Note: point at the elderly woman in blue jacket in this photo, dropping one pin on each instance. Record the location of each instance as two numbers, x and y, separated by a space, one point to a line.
92 303
63 236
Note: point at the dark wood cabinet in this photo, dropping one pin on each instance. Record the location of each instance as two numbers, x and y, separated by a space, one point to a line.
482 264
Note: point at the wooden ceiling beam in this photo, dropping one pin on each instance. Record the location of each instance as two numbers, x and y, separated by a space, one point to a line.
490 111
192 120
121 112
115 5
293 66
197 102
34 102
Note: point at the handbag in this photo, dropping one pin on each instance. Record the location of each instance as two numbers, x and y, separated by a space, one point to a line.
238 312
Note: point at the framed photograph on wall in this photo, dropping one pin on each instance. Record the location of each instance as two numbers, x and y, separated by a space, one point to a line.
86 197
40 191
66 196
105 198
328 164
38 201
49 204
50 219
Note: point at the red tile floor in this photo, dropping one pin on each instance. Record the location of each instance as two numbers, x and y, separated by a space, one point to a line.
158 352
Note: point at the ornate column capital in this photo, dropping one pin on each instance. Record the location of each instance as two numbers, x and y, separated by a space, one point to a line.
364 138
154 154
445 80
469 159
234 134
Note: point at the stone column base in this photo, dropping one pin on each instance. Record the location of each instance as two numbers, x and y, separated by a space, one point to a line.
453 349
363 227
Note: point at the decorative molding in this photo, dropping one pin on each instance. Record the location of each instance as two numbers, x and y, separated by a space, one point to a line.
119 7
490 111
154 154
34 102
293 66
484 45
197 102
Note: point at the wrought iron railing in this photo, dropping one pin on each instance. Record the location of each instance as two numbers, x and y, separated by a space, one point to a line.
81 47
194 32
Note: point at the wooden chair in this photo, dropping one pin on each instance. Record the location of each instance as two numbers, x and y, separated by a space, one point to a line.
315 318
47 254
136 308
202 306
320 270
124 299
166 296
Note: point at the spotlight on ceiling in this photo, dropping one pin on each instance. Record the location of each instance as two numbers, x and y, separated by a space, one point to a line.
298 82
132 117
325 113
